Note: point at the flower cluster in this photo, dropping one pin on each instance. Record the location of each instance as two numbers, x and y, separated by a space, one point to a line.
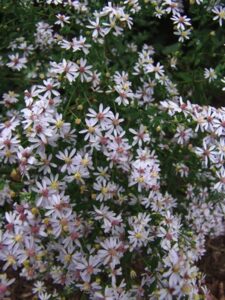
111 181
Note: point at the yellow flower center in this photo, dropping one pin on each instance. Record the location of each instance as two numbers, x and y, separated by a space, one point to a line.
140 179
138 235
18 238
85 162
222 14
59 124
91 129
67 258
11 260
55 185
104 190
68 160
8 153
77 176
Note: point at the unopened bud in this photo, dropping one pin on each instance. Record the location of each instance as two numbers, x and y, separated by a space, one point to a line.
93 196
98 280
15 175
97 246
77 121
35 211
133 274
12 194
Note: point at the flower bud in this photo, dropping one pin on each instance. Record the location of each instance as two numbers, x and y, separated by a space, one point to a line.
98 280
77 121
93 196
15 175
133 274
35 211
12 194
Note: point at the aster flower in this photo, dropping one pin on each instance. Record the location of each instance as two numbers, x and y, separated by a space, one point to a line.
88 267
9 98
219 12
48 89
98 30
4 284
67 68
220 185
68 160
183 34
17 63
158 70
62 19
180 21
102 117
110 252
183 135
210 74
207 153
138 237
141 136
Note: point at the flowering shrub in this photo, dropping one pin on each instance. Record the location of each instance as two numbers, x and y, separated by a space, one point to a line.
111 179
